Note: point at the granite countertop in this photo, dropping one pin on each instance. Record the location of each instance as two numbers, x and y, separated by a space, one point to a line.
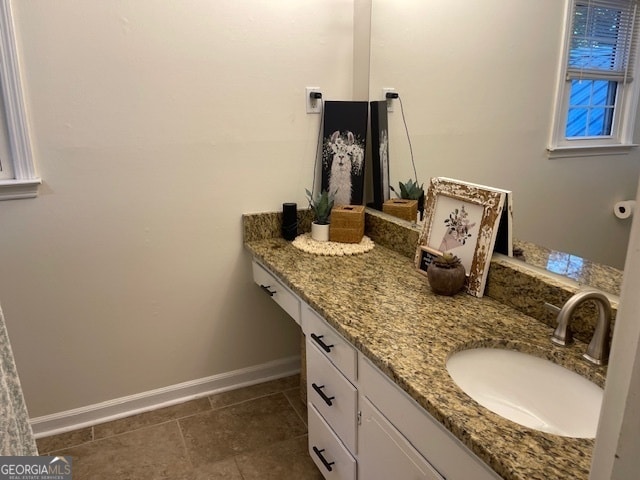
384 307
16 436
581 270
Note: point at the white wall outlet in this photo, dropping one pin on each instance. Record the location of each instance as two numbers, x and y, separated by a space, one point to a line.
389 100
313 105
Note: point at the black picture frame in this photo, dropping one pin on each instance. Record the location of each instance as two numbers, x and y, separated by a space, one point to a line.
343 150
380 153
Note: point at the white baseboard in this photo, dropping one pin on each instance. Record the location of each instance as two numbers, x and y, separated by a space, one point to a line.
162 397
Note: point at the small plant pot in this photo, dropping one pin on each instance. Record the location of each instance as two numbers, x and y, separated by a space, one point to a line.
446 281
320 233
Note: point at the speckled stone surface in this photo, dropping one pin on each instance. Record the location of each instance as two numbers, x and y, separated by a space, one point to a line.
16 437
516 284
384 307
402 237
391 232
525 286
581 270
408 332
258 226
383 229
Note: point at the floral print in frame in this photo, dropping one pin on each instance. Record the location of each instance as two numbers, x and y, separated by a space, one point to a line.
461 218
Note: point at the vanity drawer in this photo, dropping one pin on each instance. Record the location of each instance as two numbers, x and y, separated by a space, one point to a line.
332 395
330 343
280 294
329 454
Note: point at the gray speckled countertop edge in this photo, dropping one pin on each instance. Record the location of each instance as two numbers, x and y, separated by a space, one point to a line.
16 438
384 307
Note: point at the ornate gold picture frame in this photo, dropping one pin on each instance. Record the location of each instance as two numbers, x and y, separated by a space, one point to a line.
461 218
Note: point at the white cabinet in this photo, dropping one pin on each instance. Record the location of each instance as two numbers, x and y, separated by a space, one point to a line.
448 456
334 397
340 352
361 424
383 453
327 451
280 294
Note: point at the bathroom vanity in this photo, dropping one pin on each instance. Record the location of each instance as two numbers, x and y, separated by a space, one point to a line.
379 395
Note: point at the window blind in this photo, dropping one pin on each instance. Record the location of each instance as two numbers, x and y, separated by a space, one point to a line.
602 42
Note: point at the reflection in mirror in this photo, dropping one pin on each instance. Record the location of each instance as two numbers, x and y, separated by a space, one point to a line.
583 271
477 82
577 270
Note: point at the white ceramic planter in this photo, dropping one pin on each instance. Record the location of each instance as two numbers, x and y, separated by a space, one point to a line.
320 233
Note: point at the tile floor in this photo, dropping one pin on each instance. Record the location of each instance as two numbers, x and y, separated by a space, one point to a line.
257 432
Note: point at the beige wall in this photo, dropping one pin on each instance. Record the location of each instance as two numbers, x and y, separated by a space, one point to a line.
478 80
155 126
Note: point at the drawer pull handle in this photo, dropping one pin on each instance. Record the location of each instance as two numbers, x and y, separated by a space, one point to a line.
267 291
319 391
318 340
326 464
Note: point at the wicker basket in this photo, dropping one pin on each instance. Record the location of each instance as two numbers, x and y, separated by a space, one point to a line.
401 208
347 224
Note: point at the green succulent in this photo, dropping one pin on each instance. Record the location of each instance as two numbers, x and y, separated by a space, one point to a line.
410 190
446 260
321 205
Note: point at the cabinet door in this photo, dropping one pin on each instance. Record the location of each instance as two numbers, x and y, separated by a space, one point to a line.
383 453
429 437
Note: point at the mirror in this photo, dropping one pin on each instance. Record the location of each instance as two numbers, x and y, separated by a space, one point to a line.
477 83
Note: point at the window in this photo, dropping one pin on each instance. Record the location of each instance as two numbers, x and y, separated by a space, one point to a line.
567 265
597 93
18 178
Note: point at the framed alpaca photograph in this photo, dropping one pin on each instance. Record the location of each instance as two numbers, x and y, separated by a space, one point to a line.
343 150
461 218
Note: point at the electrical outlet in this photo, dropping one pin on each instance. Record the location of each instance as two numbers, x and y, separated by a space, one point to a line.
313 105
389 100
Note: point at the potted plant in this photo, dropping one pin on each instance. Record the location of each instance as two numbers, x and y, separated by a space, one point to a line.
446 274
321 206
410 190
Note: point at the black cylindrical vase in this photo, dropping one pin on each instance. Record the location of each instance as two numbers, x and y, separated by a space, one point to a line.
289 221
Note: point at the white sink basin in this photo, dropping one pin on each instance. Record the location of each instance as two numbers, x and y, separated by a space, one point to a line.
528 390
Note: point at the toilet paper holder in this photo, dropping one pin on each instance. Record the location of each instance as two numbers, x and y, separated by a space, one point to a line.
624 209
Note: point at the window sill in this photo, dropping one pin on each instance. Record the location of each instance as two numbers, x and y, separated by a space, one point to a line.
590 151
15 189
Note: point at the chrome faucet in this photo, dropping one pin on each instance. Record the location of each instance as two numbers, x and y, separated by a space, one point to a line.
598 349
